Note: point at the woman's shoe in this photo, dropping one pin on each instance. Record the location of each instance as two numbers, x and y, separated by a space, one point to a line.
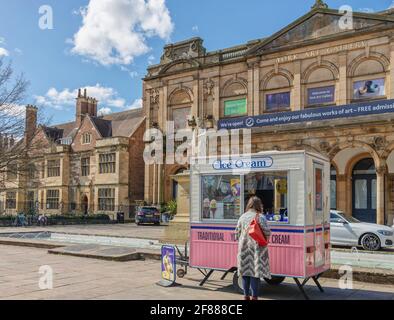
247 298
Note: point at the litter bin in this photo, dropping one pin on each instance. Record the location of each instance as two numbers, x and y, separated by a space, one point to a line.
120 217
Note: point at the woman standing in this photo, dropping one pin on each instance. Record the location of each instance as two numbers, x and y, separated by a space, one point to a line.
253 260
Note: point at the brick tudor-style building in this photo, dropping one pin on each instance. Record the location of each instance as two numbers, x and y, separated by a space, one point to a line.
310 68
91 165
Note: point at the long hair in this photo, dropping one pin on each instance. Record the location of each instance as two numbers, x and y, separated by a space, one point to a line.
255 204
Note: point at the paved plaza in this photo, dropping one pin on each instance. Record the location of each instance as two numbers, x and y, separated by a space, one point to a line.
82 278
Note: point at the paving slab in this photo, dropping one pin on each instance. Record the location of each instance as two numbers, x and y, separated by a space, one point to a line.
98 252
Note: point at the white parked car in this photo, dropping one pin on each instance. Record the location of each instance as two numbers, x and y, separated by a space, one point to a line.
348 231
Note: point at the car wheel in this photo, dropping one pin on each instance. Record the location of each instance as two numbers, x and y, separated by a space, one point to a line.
370 242
275 281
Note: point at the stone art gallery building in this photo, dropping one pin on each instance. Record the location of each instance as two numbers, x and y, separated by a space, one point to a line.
311 85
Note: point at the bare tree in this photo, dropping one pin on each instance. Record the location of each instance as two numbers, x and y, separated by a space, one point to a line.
13 149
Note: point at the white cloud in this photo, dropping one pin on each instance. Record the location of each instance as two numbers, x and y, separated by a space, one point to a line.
116 31
3 52
132 74
64 99
15 110
391 5
79 12
137 104
151 60
104 111
366 10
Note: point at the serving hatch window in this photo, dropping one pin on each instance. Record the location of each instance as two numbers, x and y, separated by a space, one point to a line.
221 197
318 189
272 189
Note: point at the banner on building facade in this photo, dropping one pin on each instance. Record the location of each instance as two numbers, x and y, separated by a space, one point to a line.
235 107
321 95
315 114
367 89
277 101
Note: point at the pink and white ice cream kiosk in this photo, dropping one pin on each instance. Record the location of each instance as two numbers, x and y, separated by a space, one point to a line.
294 187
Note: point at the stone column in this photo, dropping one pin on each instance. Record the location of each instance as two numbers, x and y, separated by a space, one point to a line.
216 100
380 193
342 85
349 194
390 198
195 96
341 192
256 89
147 181
163 127
295 103
163 107
154 192
391 82
159 182
147 186
250 89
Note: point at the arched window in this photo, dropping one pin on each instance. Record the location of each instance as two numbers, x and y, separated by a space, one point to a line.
368 78
234 99
320 85
276 92
180 108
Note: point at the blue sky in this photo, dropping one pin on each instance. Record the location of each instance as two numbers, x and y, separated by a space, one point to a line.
109 52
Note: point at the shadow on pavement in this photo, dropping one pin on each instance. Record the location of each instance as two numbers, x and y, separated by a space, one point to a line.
289 291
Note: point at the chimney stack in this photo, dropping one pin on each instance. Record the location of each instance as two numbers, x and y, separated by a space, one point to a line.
31 123
85 106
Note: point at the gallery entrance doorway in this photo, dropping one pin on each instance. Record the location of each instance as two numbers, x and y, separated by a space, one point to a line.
364 190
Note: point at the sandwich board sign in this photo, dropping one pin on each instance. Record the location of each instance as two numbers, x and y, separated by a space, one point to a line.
168 266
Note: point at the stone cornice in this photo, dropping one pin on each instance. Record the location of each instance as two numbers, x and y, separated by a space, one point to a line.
244 59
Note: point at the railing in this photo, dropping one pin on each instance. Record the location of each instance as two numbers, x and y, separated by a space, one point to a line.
233 54
65 141
69 213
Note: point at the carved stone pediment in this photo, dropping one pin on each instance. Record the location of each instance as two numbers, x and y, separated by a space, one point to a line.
187 49
320 23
